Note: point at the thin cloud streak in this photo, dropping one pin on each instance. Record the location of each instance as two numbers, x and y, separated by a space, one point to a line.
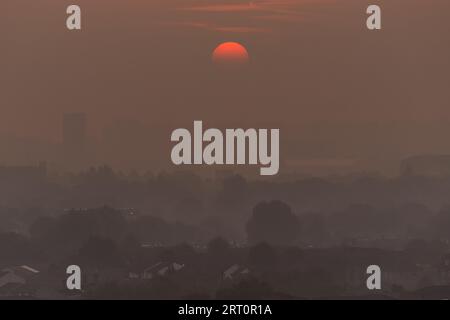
223 8
212 27
277 11
274 6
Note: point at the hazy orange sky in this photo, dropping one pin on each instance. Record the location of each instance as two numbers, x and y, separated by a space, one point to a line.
338 91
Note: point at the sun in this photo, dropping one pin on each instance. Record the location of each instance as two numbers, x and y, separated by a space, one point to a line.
230 54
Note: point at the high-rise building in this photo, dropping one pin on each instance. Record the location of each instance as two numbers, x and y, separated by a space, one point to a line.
29 175
75 153
74 132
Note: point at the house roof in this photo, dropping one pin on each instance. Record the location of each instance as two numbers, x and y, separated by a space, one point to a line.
27 268
22 271
235 270
162 268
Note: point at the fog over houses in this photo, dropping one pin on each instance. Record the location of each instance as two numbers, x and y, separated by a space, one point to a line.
179 235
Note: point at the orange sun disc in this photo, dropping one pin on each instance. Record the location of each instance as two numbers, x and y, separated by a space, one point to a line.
230 53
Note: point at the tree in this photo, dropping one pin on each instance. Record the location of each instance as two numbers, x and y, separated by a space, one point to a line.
273 222
218 246
250 289
100 252
234 192
262 255
16 248
42 226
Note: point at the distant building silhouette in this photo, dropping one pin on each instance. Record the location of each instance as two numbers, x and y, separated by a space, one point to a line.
74 132
74 136
23 174
426 165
